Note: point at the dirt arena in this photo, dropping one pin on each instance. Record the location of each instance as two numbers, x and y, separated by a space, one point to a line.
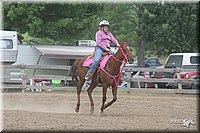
137 111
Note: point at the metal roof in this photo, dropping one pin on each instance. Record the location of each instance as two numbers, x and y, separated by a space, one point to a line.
65 52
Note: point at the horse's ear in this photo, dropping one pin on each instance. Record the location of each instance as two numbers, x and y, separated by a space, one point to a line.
124 43
121 44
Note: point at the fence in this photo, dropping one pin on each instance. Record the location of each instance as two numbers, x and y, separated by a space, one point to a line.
24 77
177 80
128 79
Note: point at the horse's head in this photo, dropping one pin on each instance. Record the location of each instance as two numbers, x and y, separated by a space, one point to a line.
126 52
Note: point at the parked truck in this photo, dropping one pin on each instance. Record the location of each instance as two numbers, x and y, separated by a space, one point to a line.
185 61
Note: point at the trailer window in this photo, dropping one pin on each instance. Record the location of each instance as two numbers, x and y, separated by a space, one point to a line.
6 44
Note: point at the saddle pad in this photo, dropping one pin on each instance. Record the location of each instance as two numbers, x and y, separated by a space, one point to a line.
88 62
104 61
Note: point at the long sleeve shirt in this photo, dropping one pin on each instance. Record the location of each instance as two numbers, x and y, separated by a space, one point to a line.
103 39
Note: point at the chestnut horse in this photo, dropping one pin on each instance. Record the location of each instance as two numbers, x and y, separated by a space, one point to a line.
108 77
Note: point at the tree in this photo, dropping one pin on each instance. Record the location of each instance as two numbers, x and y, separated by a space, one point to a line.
170 28
60 22
161 29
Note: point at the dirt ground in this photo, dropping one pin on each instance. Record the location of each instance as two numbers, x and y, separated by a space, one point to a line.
137 111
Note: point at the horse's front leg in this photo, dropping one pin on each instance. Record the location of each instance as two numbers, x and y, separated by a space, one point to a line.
114 92
103 98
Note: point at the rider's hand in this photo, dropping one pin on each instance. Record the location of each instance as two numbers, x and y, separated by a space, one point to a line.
117 45
107 49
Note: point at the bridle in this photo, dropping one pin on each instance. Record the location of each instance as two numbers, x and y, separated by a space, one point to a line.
126 55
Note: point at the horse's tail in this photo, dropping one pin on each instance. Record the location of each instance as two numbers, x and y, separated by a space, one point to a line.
73 71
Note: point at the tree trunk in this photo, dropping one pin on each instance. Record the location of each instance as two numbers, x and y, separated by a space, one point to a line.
140 42
140 58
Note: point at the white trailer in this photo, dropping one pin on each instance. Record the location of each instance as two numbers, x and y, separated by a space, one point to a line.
8 46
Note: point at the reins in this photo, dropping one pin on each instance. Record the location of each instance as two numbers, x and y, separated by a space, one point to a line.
123 64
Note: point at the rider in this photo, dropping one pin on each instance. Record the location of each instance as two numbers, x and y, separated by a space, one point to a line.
103 39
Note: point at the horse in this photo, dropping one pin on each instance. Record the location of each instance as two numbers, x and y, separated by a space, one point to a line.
108 77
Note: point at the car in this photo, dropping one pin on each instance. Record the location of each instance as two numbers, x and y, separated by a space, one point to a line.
186 76
152 62
133 65
158 75
140 74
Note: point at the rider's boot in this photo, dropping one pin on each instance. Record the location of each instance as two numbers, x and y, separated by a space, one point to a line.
88 79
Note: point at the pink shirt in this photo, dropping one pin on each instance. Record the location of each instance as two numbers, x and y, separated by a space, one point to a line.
103 40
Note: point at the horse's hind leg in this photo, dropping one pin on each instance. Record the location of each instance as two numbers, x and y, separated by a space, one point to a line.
89 90
114 92
79 86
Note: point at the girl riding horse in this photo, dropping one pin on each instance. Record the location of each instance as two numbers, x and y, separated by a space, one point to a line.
103 39
108 76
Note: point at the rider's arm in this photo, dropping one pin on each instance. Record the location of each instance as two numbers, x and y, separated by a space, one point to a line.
113 39
99 41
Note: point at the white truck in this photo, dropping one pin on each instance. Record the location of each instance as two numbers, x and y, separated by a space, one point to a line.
85 43
8 47
185 61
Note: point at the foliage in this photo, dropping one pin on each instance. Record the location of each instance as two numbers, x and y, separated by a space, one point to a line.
60 22
163 28
170 28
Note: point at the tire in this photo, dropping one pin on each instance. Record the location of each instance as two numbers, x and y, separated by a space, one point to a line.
195 86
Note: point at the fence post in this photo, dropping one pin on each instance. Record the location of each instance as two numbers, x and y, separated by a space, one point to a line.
179 77
129 83
23 78
139 86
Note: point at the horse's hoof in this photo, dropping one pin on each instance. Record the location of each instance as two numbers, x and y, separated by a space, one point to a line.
105 106
91 111
76 109
102 113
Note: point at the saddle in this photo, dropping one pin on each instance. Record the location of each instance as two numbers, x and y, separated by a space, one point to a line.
92 56
104 54
90 59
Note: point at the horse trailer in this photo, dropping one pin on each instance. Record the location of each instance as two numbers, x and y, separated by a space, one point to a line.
8 47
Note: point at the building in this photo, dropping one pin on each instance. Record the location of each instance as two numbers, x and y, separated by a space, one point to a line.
48 55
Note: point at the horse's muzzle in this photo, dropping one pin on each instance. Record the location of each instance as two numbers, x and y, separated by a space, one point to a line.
130 59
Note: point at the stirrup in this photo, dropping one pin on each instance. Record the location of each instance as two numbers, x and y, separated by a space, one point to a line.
88 83
87 77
